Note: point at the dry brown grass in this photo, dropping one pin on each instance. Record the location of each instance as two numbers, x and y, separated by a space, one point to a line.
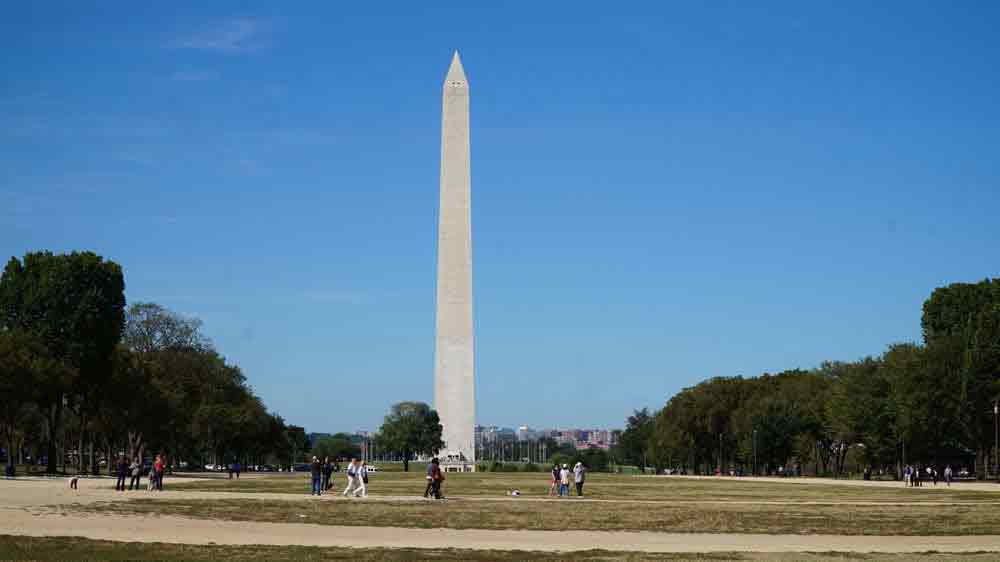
605 516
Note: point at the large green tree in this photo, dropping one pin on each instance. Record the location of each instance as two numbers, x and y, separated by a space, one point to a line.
75 304
411 428
634 441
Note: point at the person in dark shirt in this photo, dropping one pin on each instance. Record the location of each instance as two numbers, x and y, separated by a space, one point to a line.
430 479
317 477
121 469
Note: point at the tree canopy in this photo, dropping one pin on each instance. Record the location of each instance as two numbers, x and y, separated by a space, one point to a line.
411 428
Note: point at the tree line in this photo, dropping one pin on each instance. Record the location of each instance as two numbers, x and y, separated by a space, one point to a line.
84 376
930 403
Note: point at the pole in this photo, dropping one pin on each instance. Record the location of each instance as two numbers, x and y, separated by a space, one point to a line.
996 438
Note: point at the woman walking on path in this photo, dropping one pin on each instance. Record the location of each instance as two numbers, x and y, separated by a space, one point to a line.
564 481
362 476
554 481
437 477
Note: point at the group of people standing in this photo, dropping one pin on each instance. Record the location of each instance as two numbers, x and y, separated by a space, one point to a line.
124 470
561 478
357 477
913 476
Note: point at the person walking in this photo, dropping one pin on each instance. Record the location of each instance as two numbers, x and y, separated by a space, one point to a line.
121 470
237 468
327 471
564 481
229 469
437 478
362 476
352 478
554 481
157 478
947 475
579 475
317 475
136 470
430 480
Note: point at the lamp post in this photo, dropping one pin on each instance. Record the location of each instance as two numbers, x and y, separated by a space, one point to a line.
755 452
996 438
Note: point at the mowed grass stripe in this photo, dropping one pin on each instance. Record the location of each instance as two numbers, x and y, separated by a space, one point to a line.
606 487
568 515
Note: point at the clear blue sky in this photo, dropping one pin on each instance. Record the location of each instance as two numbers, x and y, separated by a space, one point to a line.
662 193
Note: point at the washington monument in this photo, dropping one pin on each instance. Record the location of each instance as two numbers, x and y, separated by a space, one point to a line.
454 356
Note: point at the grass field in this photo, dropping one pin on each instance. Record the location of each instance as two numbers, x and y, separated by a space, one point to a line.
62 549
480 501
600 486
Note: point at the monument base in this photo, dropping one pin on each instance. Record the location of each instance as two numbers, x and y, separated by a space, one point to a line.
458 466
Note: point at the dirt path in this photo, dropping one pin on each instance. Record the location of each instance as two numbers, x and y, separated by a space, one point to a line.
23 513
191 531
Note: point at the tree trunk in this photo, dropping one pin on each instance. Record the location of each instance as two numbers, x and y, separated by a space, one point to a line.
55 413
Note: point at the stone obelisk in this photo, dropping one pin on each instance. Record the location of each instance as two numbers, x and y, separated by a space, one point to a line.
454 359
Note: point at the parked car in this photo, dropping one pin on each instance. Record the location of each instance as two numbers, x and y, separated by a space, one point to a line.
209 467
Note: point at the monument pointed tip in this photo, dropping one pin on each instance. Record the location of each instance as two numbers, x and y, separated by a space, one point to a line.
455 71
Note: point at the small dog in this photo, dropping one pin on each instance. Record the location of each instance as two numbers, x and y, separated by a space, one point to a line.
72 483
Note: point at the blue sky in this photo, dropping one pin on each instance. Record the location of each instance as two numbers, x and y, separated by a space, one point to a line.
661 192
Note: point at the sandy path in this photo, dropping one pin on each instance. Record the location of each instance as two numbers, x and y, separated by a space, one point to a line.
191 531
23 512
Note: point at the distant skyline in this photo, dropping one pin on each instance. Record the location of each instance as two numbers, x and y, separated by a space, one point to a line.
660 193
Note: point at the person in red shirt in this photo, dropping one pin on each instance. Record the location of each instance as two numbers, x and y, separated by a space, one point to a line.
158 473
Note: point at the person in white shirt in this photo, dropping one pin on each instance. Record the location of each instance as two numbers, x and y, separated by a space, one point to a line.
352 478
361 476
579 475
564 481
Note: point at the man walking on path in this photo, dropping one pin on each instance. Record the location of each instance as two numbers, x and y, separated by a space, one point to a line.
121 469
947 475
352 477
316 471
579 475
564 481
136 469
430 480
237 467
